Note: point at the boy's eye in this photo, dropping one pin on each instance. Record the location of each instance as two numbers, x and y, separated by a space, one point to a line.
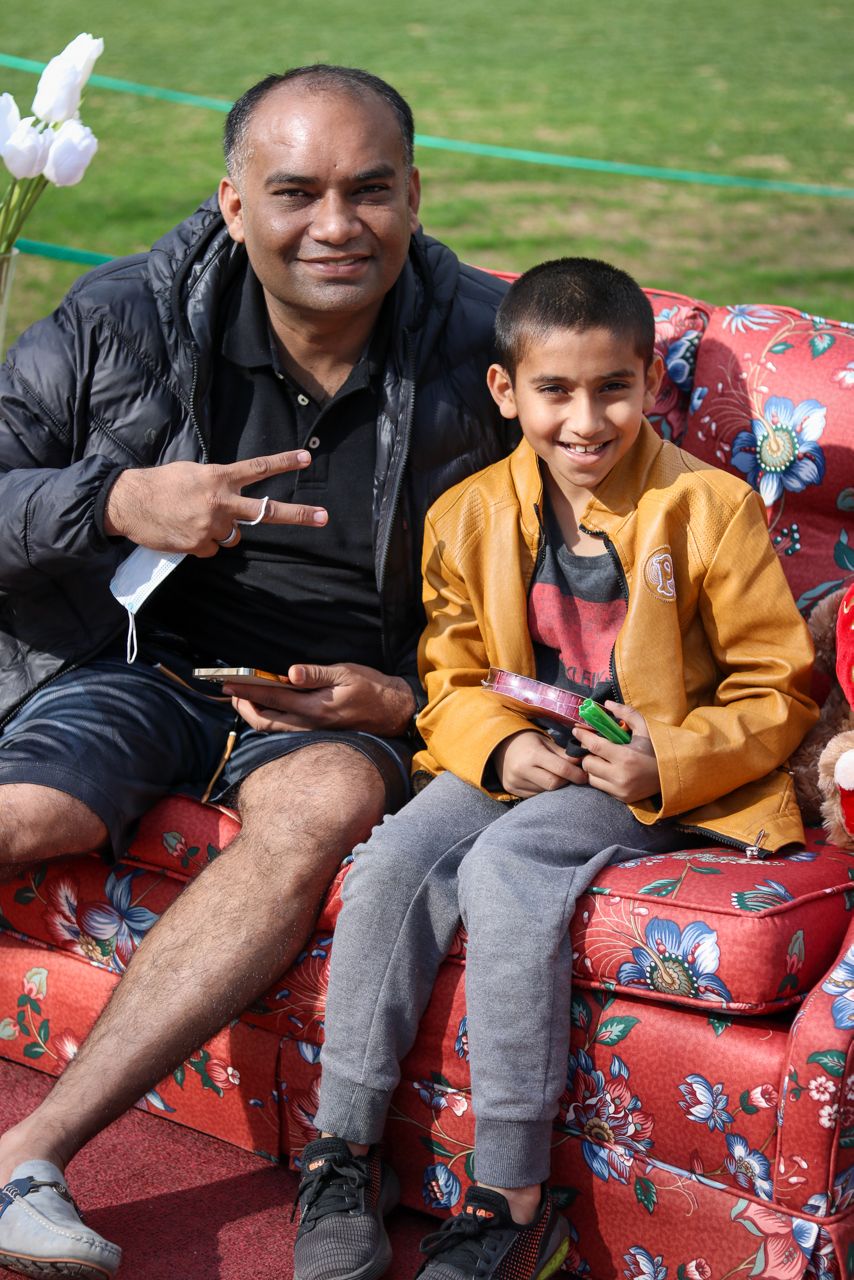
615 386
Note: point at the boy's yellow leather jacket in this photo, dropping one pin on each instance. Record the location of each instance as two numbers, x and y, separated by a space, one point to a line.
713 651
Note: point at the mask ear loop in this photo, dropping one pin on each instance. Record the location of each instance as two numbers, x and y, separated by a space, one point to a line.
265 502
132 646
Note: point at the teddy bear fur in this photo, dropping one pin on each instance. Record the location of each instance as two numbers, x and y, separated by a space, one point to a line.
814 762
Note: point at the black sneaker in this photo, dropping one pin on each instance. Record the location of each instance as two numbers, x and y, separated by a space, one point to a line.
342 1199
486 1243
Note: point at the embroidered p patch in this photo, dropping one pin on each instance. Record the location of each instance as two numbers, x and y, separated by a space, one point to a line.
658 574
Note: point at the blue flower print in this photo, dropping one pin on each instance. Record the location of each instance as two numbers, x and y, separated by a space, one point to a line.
106 931
681 358
643 1266
697 397
608 1118
841 984
742 319
677 963
705 1103
750 1168
441 1188
780 450
461 1044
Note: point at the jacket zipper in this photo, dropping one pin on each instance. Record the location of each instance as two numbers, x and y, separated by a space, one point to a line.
400 464
624 591
192 406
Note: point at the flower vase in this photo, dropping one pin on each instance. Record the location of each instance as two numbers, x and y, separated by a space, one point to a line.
7 272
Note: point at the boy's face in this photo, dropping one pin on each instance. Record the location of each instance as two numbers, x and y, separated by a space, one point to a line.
579 397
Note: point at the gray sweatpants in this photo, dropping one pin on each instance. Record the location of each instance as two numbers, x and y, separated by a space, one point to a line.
513 875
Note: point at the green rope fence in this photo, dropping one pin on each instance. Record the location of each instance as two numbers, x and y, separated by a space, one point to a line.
518 154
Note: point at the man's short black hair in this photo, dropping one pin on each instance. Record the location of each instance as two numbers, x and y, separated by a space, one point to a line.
320 76
572 293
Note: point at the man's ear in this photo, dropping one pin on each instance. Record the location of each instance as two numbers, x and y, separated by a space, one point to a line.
654 375
414 200
501 389
231 208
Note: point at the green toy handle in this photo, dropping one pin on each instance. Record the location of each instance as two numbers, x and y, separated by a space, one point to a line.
603 722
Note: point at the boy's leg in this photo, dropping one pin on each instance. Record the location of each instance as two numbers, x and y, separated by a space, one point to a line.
397 923
518 889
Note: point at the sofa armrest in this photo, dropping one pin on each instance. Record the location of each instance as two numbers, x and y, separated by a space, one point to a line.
815 1143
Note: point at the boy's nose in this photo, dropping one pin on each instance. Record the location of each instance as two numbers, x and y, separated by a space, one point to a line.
581 418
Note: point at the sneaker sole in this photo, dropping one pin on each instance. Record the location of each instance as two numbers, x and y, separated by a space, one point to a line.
555 1262
41 1267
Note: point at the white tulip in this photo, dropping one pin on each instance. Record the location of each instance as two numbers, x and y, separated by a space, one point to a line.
10 118
64 78
73 146
26 150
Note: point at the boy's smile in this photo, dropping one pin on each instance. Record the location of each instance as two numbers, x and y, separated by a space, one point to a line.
580 396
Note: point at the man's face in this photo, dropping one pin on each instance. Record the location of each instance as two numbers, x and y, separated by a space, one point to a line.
324 204
580 398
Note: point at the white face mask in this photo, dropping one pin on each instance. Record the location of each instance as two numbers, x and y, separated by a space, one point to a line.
135 579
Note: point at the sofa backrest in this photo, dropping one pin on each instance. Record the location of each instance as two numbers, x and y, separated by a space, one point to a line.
768 393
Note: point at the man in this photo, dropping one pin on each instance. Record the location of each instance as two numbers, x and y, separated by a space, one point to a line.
278 390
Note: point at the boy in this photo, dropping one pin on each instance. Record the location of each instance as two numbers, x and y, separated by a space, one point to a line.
645 578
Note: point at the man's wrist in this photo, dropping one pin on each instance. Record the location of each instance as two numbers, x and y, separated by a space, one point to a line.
104 511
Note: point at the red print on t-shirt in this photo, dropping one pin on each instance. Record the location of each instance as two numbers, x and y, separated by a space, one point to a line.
582 631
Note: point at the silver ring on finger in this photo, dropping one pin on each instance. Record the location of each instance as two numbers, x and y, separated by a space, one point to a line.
230 540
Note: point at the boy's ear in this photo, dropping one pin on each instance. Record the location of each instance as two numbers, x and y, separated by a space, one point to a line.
654 375
501 389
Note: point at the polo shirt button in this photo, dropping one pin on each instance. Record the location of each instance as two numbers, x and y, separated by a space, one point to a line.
279 375
301 399
314 442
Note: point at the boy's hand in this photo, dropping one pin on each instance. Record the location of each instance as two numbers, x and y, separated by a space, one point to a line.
628 772
529 763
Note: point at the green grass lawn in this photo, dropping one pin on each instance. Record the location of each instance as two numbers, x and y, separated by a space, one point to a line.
742 87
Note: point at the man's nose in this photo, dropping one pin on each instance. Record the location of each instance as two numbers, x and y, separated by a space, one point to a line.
335 220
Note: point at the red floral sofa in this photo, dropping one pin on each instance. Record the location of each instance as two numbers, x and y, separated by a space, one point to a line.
707 1128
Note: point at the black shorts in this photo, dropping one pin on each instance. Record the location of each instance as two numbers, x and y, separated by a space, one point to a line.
119 736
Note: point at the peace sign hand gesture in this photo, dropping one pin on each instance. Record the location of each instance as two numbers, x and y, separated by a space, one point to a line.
195 507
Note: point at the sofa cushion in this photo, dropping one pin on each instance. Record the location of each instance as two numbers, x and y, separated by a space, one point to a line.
705 928
772 401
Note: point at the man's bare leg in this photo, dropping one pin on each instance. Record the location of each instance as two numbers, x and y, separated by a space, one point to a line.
231 932
38 822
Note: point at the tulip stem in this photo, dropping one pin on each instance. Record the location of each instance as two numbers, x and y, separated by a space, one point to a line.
17 205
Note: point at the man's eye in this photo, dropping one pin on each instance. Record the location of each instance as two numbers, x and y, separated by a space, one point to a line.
610 387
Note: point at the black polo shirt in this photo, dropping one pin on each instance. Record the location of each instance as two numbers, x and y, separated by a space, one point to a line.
285 593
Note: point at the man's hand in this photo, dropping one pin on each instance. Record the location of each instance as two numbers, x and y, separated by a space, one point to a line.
193 506
628 772
529 762
343 696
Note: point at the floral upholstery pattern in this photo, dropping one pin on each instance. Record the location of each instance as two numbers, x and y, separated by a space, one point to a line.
707 1125
772 400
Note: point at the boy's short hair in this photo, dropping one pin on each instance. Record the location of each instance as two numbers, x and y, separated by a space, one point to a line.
572 293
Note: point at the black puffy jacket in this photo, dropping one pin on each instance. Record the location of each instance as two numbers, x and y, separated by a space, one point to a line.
119 376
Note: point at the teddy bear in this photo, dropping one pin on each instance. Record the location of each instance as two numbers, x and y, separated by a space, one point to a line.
823 766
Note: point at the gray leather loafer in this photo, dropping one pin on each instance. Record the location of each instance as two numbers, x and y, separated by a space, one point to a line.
41 1232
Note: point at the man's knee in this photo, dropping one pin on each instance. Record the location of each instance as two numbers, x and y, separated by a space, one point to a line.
38 822
314 804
